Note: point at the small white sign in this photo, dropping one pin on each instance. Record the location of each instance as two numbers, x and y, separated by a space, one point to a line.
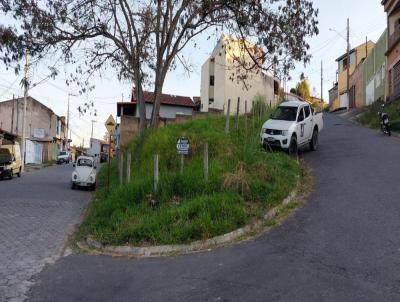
182 146
38 133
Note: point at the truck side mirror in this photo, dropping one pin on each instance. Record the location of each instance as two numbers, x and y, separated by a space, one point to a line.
74 165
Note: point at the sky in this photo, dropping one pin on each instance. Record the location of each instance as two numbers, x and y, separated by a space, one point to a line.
367 19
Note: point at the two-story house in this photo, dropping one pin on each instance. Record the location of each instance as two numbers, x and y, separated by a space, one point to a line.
44 130
356 56
392 9
224 77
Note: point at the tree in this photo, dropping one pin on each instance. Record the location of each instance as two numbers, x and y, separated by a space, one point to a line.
303 90
142 40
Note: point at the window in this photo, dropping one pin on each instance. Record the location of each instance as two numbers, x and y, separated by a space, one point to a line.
211 80
301 115
285 113
83 162
307 111
210 101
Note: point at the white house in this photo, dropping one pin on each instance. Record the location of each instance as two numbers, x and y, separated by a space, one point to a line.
223 78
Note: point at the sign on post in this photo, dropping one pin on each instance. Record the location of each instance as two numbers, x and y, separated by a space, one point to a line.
182 146
110 124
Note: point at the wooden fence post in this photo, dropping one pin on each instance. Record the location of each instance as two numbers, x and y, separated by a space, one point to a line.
245 117
227 117
182 162
237 114
128 167
121 168
156 175
205 161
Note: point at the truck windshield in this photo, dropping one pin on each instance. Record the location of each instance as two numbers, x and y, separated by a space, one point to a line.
285 113
63 153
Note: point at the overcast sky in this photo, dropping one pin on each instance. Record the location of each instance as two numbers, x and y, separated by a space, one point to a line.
367 18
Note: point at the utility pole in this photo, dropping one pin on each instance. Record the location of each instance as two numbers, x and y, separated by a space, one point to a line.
348 63
67 136
93 121
12 115
322 84
26 88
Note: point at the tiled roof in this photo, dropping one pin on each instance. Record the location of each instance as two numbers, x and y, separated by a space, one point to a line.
166 99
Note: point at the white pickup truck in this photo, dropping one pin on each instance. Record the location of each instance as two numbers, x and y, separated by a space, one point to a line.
293 125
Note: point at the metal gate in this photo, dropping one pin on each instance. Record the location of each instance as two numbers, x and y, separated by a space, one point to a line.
396 80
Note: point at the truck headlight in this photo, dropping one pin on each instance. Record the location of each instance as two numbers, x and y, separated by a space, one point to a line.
75 177
285 132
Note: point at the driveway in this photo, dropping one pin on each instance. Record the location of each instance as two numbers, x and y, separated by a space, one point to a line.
343 245
37 212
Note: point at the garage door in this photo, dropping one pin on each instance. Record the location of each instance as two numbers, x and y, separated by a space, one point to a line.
344 100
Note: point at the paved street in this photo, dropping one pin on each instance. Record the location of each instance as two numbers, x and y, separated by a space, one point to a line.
37 212
343 245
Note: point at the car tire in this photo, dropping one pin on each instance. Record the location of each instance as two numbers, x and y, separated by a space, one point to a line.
293 148
11 175
19 173
314 141
73 186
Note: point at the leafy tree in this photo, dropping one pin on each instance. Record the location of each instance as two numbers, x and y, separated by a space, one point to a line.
303 90
141 40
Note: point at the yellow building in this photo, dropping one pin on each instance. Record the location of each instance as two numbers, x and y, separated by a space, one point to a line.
357 55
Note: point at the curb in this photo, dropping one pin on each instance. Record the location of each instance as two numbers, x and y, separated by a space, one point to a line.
92 245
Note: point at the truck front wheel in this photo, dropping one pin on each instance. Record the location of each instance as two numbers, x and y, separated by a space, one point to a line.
293 149
314 141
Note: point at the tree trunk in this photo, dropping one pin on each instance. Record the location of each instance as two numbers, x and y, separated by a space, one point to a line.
159 84
141 103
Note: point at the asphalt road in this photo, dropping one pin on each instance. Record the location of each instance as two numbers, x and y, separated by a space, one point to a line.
37 212
343 245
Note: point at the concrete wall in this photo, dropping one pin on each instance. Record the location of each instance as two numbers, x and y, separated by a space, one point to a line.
129 126
167 111
374 74
356 81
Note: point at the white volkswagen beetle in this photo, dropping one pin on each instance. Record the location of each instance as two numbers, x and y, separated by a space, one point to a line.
84 174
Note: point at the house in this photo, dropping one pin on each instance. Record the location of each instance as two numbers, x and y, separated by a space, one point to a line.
171 106
44 130
356 56
374 72
224 78
172 109
392 85
333 94
97 147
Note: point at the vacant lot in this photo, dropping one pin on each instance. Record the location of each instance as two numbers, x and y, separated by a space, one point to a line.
244 181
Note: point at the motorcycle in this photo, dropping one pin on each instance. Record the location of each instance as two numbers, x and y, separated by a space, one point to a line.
384 121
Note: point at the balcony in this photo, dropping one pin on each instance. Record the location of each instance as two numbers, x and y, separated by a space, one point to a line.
394 38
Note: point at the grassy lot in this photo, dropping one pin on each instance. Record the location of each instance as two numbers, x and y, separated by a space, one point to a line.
244 181
369 116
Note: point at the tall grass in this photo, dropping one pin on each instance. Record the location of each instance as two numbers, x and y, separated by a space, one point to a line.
369 116
243 182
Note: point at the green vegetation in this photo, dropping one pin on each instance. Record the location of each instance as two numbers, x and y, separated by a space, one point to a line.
369 116
244 181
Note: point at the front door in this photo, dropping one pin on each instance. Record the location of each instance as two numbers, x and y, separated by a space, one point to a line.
308 123
301 127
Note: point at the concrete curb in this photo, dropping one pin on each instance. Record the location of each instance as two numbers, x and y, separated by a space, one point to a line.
202 245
